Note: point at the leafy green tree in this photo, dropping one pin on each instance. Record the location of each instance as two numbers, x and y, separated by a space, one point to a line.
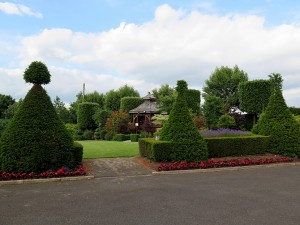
278 122
91 97
12 109
112 100
61 110
165 96
213 109
5 102
223 83
180 129
115 123
127 91
36 140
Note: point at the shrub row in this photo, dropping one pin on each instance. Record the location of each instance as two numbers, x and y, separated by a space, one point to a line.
165 151
237 146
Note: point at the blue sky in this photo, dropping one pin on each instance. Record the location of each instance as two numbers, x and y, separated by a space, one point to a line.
110 43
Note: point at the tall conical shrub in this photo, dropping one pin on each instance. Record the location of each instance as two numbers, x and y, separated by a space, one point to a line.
180 129
36 140
278 122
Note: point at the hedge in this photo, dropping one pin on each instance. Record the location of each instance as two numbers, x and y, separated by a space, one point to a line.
86 110
77 152
134 137
158 151
129 103
121 137
163 151
237 146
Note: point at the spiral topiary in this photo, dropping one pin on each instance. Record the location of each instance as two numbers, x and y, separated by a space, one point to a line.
37 73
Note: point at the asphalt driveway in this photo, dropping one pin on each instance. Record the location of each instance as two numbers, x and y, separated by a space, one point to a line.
258 196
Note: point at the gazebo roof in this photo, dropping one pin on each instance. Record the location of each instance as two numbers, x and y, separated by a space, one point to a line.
148 106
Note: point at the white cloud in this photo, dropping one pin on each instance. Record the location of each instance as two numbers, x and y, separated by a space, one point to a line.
174 45
17 9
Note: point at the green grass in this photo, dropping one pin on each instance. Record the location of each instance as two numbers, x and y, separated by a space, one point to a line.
109 149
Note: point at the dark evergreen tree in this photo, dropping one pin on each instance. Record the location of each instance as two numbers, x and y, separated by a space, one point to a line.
180 129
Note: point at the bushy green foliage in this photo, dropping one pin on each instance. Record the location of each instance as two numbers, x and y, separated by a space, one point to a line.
88 135
5 102
278 123
165 97
3 124
193 99
108 136
213 110
226 121
129 103
237 146
36 140
117 122
77 152
295 110
134 137
37 73
85 114
74 131
180 129
254 95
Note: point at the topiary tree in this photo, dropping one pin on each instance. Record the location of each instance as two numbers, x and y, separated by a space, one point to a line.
278 123
180 129
37 73
226 121
36 140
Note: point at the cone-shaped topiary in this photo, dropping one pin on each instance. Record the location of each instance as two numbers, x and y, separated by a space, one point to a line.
37 73
278 122
36 140
180 129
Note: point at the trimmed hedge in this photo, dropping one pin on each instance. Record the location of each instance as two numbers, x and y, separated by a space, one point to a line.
129 103
77 152
158 151
165 151
237 146
85 113
121 137
134 137
254 95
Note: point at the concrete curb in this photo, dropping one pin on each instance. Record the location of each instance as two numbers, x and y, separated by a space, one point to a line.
45 180
236 168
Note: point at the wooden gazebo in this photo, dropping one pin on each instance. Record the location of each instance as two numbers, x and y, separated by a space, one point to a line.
145 111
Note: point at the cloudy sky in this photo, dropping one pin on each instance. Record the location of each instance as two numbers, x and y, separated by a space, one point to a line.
109 43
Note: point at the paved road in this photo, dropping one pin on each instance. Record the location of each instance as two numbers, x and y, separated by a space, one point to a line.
258 196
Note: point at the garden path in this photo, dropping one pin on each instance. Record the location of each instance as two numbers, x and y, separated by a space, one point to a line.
116 167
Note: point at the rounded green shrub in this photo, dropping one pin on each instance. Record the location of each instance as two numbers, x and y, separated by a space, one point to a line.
37 73
180 129
36 140
85 113
278 122
226 121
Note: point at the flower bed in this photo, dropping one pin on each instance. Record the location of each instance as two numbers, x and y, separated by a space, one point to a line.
63 172
212 163
224 132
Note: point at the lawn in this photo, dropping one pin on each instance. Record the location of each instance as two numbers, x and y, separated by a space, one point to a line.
109 149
